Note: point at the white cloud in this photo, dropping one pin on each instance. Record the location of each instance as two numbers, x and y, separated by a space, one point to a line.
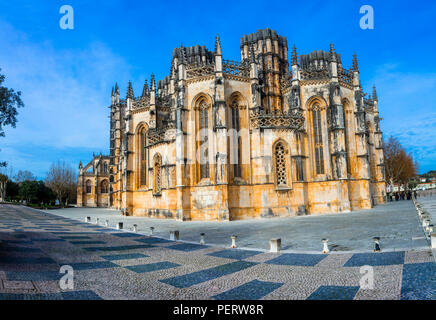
66 92
407 105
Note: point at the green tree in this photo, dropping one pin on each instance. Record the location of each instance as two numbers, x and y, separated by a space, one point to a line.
45 194
12 190
28 190
10 101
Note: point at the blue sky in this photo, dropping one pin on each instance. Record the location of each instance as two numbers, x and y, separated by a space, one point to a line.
66 75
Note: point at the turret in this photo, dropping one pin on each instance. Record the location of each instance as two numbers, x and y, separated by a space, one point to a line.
333 64
113 96
117 93
145 90
218 56
374 98
130 96
153 111
271 54
152 91
355 69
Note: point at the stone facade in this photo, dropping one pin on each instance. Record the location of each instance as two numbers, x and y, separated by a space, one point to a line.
263 137
93 185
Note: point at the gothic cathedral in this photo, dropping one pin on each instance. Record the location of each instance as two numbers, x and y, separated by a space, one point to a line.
225 140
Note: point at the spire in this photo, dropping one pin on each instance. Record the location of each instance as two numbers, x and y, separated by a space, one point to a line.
332 52
355 63
130 91
145 90
152 83
294 56
117 90
374 94
218 50
80 165
112 94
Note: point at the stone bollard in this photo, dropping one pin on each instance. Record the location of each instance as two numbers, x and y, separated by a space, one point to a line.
174 235
88 219
376 244
233 242
202 239
135 228
433 240
325 248
119 225
151 231
106 223
275 245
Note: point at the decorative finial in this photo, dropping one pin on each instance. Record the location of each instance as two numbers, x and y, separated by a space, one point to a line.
153 82
218 50
355 63
332 52
145 90
130 91
117 90
374 94
112 94
294 56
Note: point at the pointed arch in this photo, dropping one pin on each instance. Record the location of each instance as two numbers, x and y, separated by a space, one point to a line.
317 112
104 186
237 121
142 157
204 121
88 186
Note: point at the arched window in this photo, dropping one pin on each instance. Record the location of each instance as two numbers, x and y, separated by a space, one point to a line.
236 140
88 186
204 130
348 133
104 187
157 169
299 165
280 164
105 167
142 147
317 134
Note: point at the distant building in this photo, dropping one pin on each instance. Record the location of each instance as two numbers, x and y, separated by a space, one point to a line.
93 183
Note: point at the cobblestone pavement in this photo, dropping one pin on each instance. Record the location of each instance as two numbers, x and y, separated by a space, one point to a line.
396 223
114 264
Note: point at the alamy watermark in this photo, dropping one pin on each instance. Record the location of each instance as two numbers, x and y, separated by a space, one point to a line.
67 20
367 280
67 280
367 20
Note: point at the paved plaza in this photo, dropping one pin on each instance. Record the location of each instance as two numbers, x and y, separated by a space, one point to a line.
395 223
116 264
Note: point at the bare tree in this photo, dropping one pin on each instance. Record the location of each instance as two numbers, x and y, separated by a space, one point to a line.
24 175
61 178
399 164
